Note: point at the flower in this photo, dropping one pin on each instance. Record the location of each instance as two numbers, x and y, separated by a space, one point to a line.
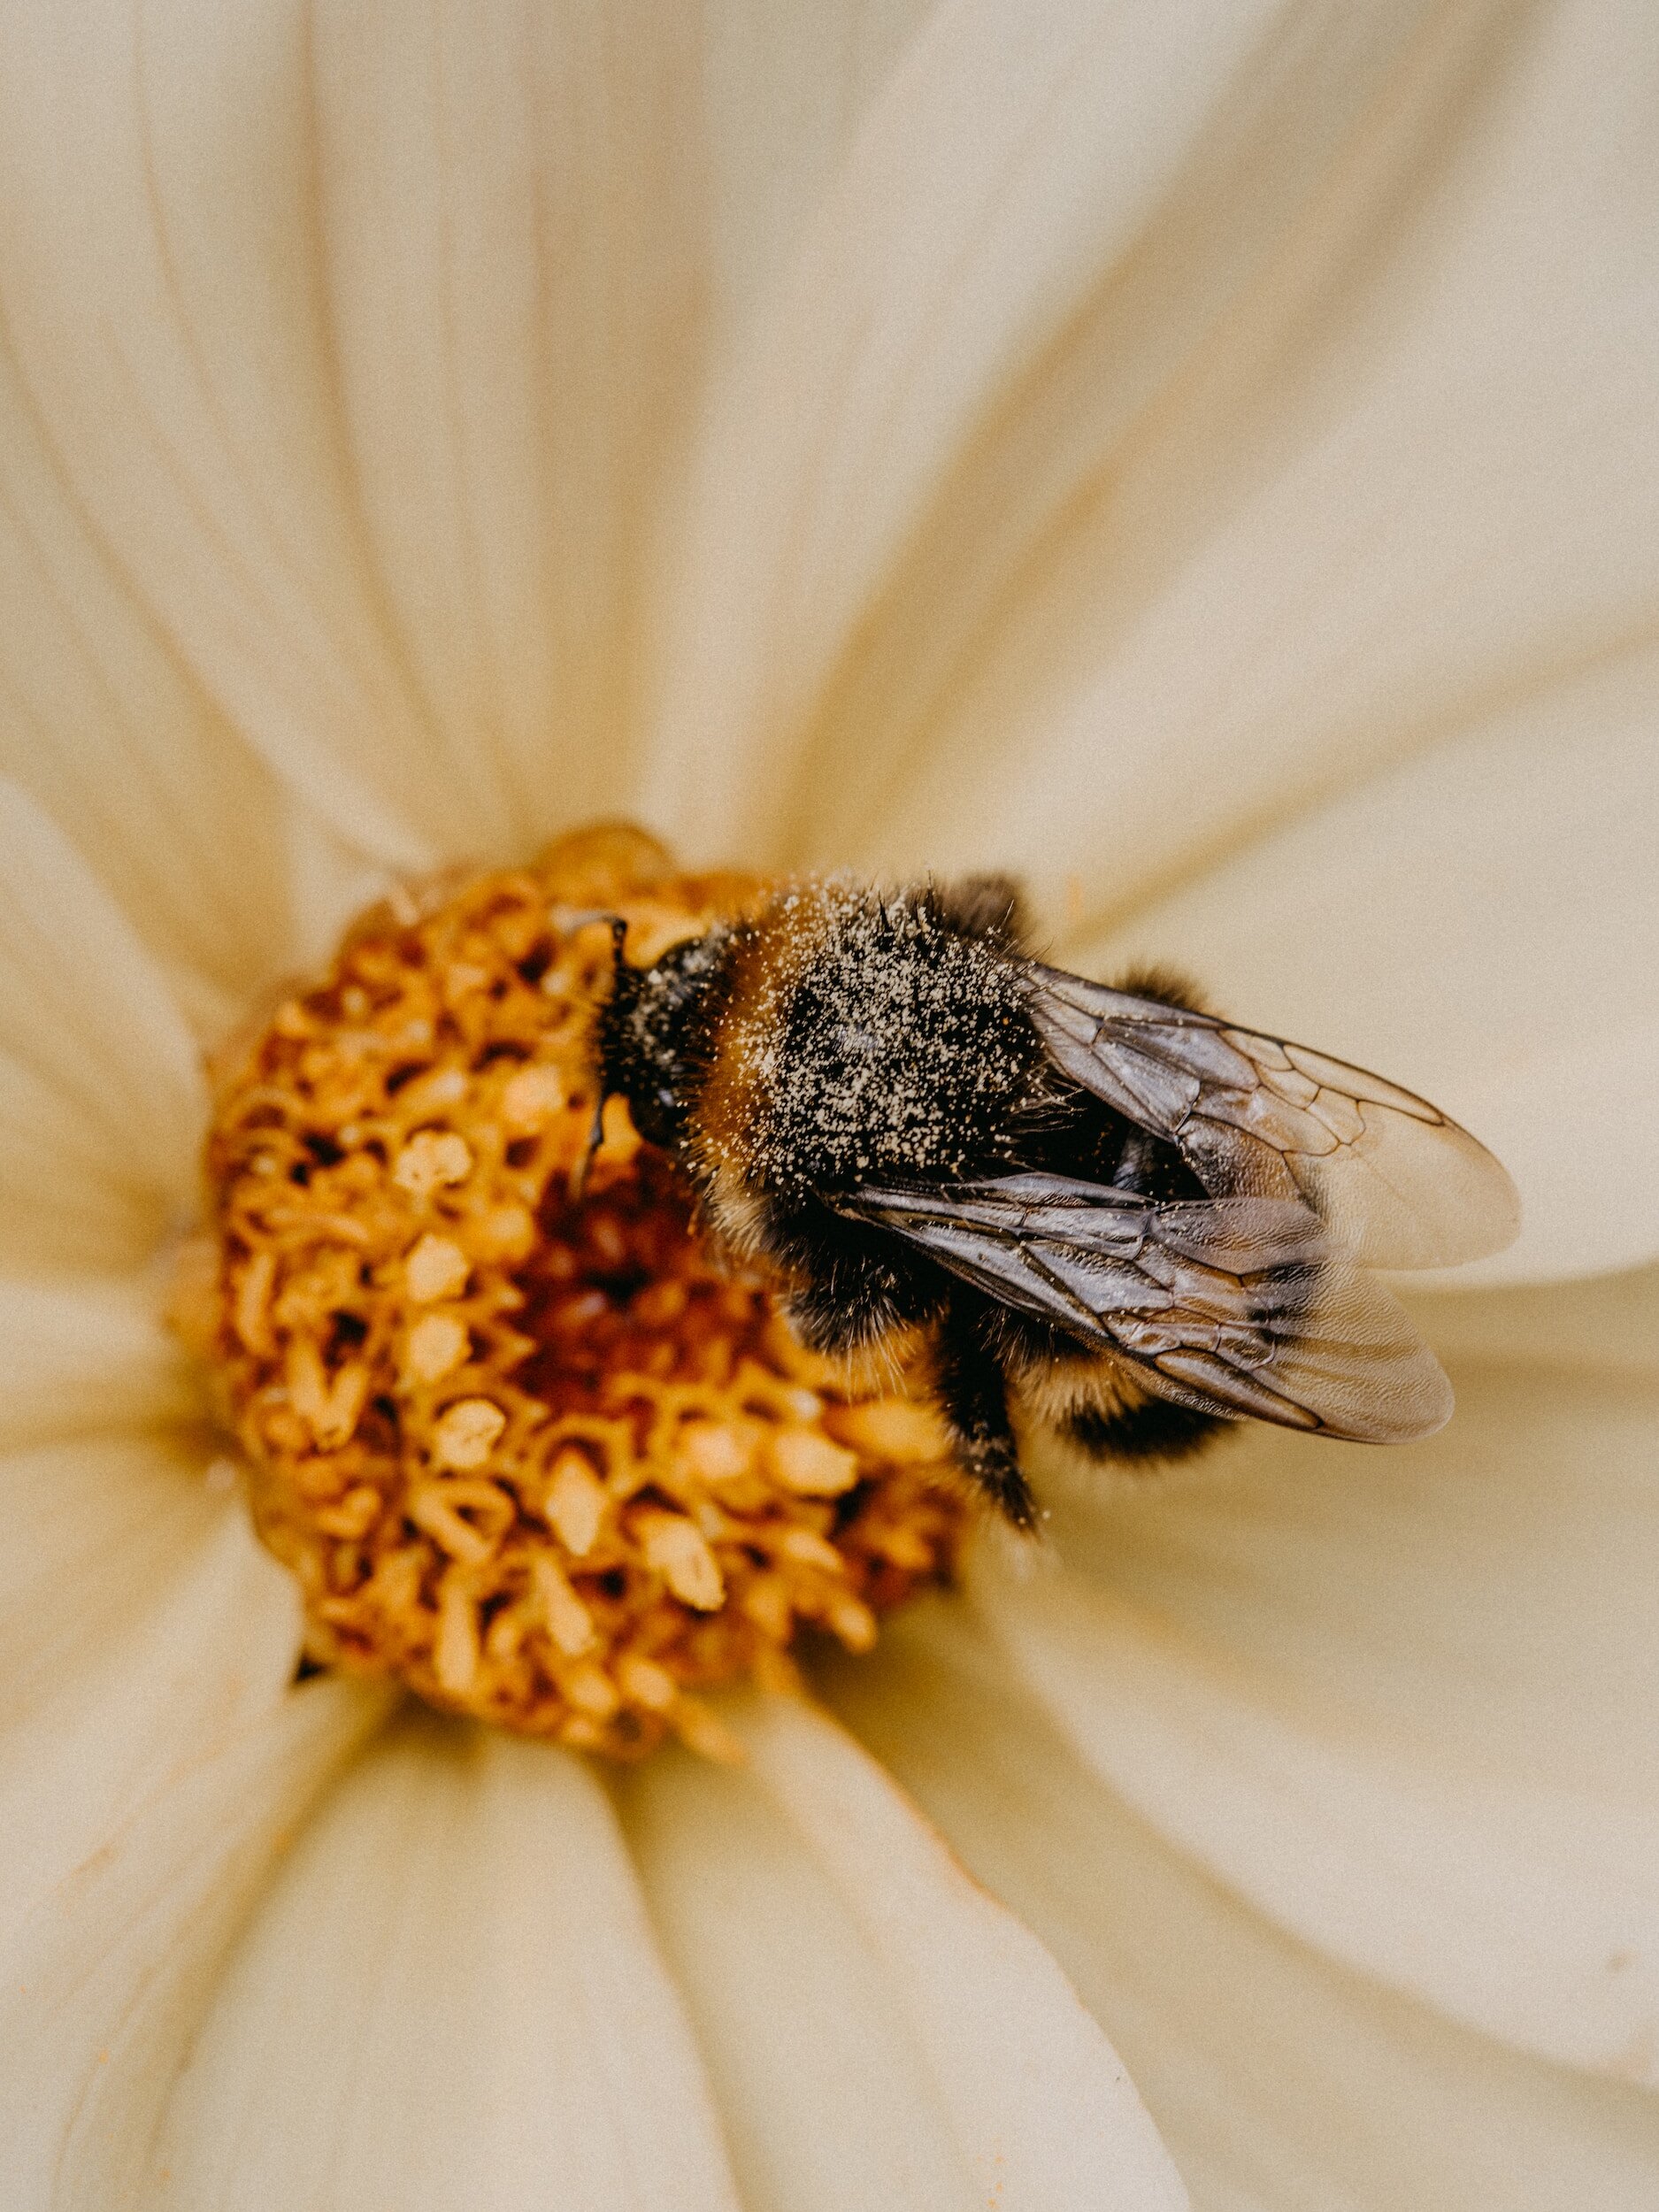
1197 453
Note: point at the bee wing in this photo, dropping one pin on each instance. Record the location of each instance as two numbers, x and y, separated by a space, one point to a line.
1231 1305
1395 1182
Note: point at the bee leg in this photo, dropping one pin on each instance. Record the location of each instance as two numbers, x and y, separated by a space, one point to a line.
1156 1429
973 1398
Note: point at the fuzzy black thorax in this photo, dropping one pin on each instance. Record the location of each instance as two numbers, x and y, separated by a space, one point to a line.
878 1038
840 1036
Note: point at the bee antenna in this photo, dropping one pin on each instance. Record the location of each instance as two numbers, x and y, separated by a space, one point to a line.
571 921
571 918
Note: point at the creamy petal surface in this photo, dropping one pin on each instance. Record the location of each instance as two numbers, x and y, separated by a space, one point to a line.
1403 1703
107 1981
143 1624
1282 2082
1609 1325
86 1355
104 723
1014 165
879 2030
170 156
1404 479
101 1100
509 233
382 338
482 2018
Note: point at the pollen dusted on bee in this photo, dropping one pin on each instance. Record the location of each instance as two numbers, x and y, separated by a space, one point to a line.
538 1456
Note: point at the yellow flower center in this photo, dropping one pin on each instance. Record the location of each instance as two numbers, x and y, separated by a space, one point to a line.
526 1443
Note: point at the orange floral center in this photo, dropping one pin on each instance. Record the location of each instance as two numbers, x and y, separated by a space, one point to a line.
538 1452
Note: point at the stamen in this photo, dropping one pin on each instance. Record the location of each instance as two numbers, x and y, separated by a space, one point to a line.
526 1442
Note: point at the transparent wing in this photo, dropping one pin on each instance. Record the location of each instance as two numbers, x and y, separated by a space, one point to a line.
1232 1305
1395 1183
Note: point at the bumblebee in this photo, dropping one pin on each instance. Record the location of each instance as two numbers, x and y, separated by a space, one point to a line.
1106 1208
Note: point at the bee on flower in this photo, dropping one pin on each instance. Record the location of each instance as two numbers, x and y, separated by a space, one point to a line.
517 1682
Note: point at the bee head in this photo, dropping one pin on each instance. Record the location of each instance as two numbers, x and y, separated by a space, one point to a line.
656 1032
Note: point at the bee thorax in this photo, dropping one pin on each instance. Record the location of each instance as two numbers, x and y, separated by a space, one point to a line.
878 1039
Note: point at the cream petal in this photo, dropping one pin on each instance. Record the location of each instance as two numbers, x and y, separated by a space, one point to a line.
142 1624
1010 173
510 256
169 327
1403 474
881 2032
1610 1326
1404 1702
105 1984
86 1355
1549 1121
1481 924
532 243
484 2020
1528 1910
1281 2081
101 1100
329 885
378 352
102 724
785 91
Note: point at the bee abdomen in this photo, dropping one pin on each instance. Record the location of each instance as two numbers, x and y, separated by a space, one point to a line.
1149 1433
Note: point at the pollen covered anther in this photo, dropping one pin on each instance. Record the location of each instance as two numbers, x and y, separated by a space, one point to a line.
541 1455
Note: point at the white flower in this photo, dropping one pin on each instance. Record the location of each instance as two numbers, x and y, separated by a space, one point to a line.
1199 453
